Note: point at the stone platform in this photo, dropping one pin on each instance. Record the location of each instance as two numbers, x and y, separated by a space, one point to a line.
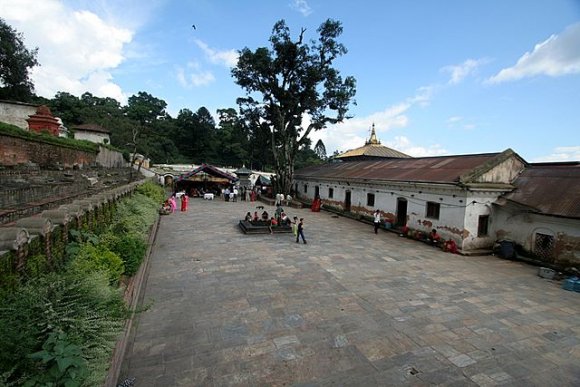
350 308
262 228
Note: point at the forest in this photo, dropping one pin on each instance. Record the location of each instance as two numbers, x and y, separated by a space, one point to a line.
191 137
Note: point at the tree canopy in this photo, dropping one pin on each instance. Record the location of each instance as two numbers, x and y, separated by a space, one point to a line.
16 61
290 82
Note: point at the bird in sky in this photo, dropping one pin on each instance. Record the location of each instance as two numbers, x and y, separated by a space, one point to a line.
193 25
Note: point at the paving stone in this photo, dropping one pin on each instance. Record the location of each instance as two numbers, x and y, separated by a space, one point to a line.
347 309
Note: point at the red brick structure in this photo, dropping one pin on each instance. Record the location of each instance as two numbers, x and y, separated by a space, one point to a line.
43 121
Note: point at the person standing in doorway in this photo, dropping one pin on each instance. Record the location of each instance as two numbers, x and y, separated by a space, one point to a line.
300 231
377 221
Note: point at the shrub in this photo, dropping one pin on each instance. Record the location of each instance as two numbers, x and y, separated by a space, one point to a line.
131 248
135 216
151 190
98 258
85 307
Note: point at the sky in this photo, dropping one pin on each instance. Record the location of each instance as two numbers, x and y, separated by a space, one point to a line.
434 77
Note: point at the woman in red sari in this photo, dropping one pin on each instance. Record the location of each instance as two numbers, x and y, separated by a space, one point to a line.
184 200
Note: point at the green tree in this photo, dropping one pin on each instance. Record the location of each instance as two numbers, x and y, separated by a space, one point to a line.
233 142
295 79
15 64
320 150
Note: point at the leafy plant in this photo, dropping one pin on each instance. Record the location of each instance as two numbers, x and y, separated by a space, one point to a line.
151 190
131 248
85 307
63 361
98 258
77 239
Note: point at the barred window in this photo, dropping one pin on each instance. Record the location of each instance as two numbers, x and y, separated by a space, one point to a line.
433 210
370 200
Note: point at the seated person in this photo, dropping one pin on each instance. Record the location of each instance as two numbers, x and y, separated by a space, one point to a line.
265 215
284 220
255 216
248 217
272 223
434 238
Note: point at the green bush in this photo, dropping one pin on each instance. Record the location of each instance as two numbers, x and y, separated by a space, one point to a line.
135 216
151 190
131 248
85 307
98 258
63 361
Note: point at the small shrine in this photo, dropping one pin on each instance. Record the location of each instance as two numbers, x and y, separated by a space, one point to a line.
243 174
43 120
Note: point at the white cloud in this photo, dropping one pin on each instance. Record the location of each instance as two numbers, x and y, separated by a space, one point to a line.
302 7
556 56
403 144
193 76
454 119
228 58
77 48
563 153
461 71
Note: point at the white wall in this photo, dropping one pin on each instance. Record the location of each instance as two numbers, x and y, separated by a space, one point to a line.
452 200
92 136
521 227
16 114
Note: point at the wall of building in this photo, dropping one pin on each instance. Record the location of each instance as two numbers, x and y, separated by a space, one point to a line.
479 203
452 200
98 138
16 113
522 227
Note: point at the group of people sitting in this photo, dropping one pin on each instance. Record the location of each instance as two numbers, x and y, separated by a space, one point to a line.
280 218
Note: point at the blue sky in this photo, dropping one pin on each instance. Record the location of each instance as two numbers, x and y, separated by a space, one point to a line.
435 77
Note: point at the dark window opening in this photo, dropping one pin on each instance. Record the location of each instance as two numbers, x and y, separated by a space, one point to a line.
330 193
433 210
482 226
305 188
544 245
370 200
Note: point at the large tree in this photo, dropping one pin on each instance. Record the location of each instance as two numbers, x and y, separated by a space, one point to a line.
15 63
294 79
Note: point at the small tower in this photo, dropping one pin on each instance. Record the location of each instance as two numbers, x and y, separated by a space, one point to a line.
43 120
373 140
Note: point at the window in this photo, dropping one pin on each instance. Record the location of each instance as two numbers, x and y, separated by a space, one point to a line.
544 245
296 187
482 226
433 210
370 200
316 191
305 188
330 193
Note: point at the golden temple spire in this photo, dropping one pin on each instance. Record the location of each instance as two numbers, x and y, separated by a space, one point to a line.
373 140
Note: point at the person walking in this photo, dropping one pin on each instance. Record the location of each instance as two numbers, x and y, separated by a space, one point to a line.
300 231
377 221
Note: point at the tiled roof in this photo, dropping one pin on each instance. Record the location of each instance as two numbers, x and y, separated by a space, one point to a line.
443 169
550 188
373 150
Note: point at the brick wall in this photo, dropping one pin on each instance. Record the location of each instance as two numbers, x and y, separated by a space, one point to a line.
14 151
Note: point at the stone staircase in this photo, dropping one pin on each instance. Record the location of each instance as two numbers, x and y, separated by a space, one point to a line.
29 190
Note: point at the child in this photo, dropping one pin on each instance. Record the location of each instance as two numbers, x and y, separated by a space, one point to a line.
300 231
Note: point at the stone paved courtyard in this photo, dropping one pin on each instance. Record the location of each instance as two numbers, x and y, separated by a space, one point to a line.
350 308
